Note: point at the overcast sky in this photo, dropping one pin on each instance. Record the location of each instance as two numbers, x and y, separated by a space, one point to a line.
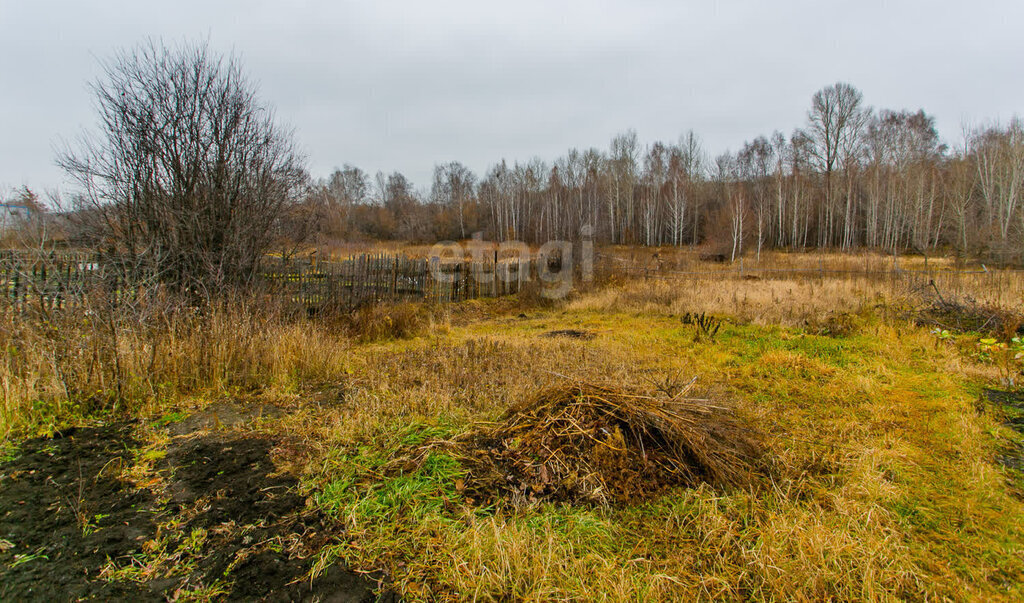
404 85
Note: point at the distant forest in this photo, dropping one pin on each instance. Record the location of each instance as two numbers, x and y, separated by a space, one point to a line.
852 177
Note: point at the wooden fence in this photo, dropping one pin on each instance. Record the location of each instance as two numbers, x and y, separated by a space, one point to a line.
52 279
56 279
374 278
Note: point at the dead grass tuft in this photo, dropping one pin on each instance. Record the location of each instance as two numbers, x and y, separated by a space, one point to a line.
376 322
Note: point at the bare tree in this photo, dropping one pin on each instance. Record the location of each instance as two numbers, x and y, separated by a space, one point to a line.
399 199
755 161
455 186
834 122
344 189
959 187
686 164
188 175
622 166
999 155
653 180
800 146
735 207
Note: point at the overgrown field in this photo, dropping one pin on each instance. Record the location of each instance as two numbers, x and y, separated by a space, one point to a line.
870 461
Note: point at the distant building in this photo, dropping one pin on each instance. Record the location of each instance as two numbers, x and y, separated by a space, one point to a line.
15 216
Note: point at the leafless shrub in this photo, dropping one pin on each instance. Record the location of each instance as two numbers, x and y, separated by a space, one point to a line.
706 326
188 176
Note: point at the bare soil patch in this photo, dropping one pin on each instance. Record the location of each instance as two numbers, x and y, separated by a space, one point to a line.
1011 404
65 510
47 497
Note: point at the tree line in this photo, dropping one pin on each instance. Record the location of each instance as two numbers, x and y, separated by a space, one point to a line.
851 177
188 180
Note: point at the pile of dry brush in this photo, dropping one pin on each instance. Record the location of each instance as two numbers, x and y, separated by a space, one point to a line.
580 442
964 314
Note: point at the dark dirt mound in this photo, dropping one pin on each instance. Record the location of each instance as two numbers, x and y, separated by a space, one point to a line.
571 334
237 474
223 414
1011 404
63 503
64 510
588 443
1013 400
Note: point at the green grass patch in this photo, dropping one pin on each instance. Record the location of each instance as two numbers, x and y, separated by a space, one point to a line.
169 418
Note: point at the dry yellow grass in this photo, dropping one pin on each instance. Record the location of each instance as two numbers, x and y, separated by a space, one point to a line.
882 462
89 361
689 259
795 301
